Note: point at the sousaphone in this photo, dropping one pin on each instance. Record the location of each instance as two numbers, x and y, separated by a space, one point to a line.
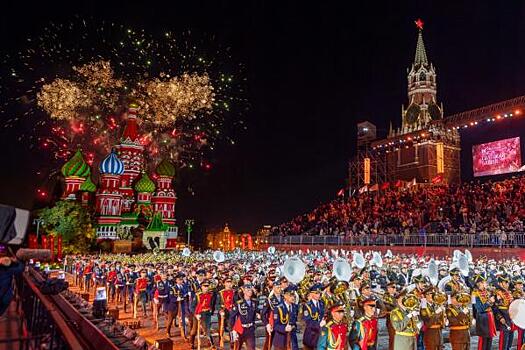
294 269
342 270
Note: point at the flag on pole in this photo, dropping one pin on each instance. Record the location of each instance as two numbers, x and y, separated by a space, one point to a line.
363 189
412 183
385 185
341 192
399 183
374 188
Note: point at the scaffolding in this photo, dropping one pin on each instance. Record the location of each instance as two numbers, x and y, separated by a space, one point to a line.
356 169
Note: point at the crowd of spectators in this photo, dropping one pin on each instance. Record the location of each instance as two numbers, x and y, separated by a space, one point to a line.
482 209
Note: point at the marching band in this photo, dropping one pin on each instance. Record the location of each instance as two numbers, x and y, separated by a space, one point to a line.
334 300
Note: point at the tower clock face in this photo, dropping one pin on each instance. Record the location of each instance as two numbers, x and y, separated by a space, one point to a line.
412 114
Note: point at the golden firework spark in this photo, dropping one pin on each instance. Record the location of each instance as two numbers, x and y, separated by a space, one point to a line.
165 101
62 99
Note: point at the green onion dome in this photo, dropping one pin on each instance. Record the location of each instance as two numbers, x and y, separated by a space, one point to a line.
88 186
76 166
144 184
165 168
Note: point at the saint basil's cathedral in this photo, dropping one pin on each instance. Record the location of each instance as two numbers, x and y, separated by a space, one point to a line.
126 196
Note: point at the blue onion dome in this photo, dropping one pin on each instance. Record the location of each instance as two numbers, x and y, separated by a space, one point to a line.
111 165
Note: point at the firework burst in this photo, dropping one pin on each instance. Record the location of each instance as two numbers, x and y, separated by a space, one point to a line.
69 85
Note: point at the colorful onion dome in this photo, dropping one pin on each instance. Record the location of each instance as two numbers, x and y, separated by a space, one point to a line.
88 186
111 165
144 184
165 168
76 166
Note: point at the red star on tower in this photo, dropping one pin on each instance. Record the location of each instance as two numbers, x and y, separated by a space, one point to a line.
419 23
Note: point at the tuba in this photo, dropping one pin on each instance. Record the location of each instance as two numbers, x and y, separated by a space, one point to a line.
218 256
342 270
377 260
186 252
294 269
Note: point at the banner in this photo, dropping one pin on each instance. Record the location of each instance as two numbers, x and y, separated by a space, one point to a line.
374 188
497 157
367 171
440 158
437 179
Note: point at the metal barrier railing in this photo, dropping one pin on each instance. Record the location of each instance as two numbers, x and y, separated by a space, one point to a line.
45 326
505 240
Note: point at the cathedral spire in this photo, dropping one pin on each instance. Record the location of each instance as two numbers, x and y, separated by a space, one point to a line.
421 55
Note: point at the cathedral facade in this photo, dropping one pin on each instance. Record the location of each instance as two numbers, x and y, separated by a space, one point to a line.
126 196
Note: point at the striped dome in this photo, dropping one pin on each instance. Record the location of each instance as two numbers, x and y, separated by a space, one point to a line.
88 186
76 166
112 165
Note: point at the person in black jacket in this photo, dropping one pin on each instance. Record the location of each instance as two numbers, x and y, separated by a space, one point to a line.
9 267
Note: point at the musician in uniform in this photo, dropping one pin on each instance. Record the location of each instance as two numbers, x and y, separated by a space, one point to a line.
313 315
406 323
225 306
459 320
201 310
162 288
518 293
334 334
178 297
389 303
141 285
273 300
120 285
482 307
454 285
501 313
363 335
285 322
242 319
432 316
111 282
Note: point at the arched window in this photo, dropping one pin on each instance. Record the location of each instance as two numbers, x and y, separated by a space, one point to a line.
422 76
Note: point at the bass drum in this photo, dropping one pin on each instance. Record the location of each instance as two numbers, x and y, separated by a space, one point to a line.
517 312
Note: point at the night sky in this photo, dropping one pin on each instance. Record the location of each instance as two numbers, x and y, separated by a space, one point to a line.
313 70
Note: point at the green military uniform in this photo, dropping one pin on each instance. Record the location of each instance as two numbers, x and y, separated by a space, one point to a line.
406 330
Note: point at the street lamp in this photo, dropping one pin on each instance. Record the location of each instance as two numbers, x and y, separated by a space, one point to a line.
189 227
37 222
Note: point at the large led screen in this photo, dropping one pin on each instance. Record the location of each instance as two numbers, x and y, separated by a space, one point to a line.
497 157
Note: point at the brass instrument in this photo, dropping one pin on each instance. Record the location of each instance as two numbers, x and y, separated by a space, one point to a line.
464 299
410 302
440 298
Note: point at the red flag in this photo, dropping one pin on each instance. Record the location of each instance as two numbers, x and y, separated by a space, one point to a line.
385 185
341 192
399 183
438 179
238 326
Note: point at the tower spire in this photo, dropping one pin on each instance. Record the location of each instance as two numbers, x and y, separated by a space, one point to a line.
421 55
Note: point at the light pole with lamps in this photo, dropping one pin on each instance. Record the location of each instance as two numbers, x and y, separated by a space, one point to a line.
189 227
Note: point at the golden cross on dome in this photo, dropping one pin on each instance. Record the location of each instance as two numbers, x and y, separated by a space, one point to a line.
419 23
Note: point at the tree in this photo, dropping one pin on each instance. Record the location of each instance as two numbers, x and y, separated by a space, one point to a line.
71 221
